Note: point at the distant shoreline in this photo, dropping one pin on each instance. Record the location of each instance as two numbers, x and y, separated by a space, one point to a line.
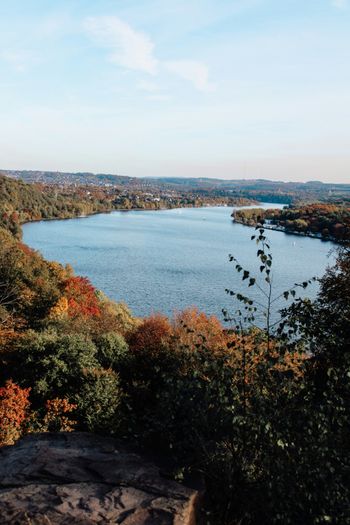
125 210
289 232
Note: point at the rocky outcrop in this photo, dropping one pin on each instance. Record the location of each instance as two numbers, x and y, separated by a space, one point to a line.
80 478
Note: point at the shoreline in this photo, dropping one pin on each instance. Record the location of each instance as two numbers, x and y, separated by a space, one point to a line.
126 210
291 232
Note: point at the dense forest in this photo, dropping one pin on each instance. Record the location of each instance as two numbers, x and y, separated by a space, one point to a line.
328 221
262 415
20 202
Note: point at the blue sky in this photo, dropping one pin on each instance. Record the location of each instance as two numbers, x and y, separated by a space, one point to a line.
215 88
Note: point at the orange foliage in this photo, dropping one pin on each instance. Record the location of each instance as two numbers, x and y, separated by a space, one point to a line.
292 362
59 309
58 272
11 328
14 405
152 334
8 333
193 328
81 297
250 351
56 415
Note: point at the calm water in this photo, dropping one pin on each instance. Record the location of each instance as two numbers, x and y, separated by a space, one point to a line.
168 260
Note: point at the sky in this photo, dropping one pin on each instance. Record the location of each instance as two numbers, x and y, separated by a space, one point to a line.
184 88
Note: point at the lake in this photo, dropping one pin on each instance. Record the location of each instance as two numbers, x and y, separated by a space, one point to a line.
162 261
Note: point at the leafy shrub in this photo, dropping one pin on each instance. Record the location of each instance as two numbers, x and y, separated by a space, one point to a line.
98 400
67 367
14 406
112 350
56 418
52 364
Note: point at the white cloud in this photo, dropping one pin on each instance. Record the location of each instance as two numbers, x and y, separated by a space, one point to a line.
133 49
128 48
339 4
193 71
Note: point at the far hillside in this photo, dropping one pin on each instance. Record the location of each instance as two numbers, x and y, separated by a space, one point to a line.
259 189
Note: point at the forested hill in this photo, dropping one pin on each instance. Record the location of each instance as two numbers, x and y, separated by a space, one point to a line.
21 202
327 221
60 177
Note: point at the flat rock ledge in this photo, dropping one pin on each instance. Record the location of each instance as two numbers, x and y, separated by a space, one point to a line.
81 478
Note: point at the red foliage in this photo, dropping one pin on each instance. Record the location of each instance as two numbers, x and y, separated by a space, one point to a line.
14 404
81 296
154 332
25 249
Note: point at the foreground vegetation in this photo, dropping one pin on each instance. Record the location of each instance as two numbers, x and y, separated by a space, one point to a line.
262 414
327 221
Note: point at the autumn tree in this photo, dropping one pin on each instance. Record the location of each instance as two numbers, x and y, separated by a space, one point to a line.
81 297
151 335
194 329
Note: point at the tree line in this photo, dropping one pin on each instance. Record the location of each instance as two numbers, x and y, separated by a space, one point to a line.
328 221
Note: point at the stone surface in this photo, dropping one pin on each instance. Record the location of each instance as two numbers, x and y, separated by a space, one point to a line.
80 478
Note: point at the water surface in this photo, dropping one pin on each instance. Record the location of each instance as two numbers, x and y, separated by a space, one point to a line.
169 260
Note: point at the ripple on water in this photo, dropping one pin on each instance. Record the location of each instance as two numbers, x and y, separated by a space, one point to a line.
169 260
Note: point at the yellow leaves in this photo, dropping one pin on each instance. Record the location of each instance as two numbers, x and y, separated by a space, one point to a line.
114 317
57 271
60 309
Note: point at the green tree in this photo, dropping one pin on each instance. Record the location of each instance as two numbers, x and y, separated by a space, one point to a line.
112 350
53 365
